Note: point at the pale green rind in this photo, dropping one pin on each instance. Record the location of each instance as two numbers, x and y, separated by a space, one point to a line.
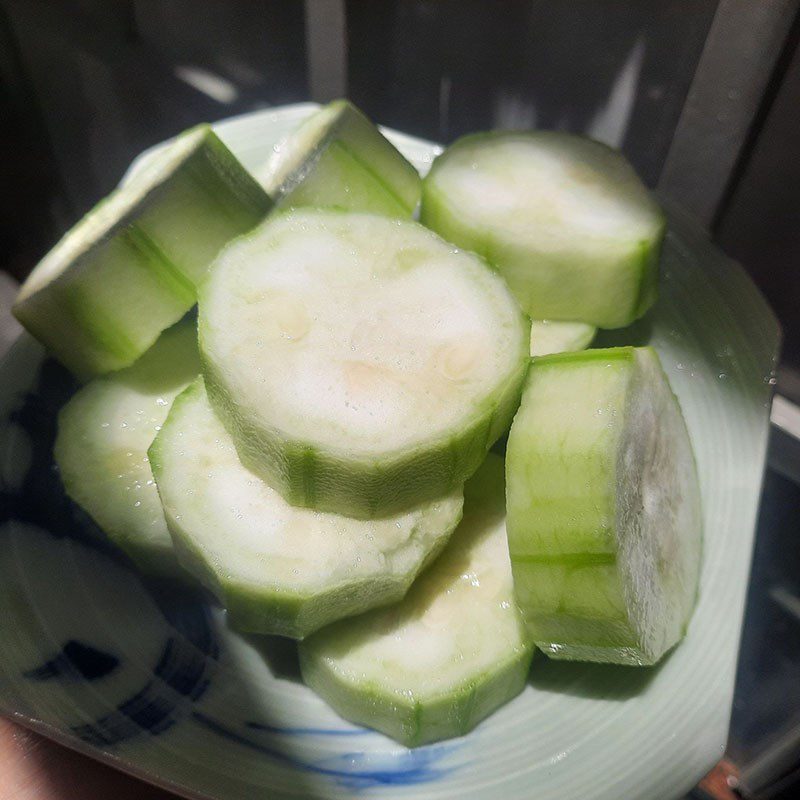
607 284
603 508
270 600
101 447
560 460
345 162
402 704
128 269
213 197
310 477
80 318
418 723
338 479
258 610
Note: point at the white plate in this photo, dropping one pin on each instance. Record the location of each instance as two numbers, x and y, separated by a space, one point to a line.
148 677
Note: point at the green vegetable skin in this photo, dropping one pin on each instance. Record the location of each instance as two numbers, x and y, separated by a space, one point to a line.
564 219
101 448
338 159
280 569
604 520
128 270
445 657
361 364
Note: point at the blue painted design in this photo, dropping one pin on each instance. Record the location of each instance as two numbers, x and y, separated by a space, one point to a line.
131 719
182 670
354 770
185 609
360 770
146 711
76 660
259 726
41 499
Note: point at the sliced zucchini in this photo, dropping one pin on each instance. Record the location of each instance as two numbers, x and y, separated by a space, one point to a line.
565 219
604 521
337 158
548 336
101 447
361 364
129 268
450 653
276 568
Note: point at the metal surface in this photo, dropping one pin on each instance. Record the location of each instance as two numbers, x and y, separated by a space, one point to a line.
741 50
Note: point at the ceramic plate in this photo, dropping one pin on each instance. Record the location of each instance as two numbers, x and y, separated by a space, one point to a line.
148 677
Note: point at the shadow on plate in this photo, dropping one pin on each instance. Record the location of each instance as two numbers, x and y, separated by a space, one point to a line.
279 654
637 334
597 681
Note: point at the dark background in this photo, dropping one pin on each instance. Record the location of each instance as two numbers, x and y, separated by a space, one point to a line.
87 84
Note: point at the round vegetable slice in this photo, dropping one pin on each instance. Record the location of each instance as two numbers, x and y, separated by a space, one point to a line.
450 653
549 336
566 220
604 520
337 158
129 268
277 568
101 447
362 365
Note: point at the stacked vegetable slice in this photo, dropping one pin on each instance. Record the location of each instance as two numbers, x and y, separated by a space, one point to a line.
450 653
549 337
278 568
565 219
362 365
101 448
604 520
130 268
355 368
338 159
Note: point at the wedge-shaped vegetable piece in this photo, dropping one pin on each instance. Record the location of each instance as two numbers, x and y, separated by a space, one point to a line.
361 364
337 158
129 268
604 521
548 336
101 448
450 653
277 568
566 220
